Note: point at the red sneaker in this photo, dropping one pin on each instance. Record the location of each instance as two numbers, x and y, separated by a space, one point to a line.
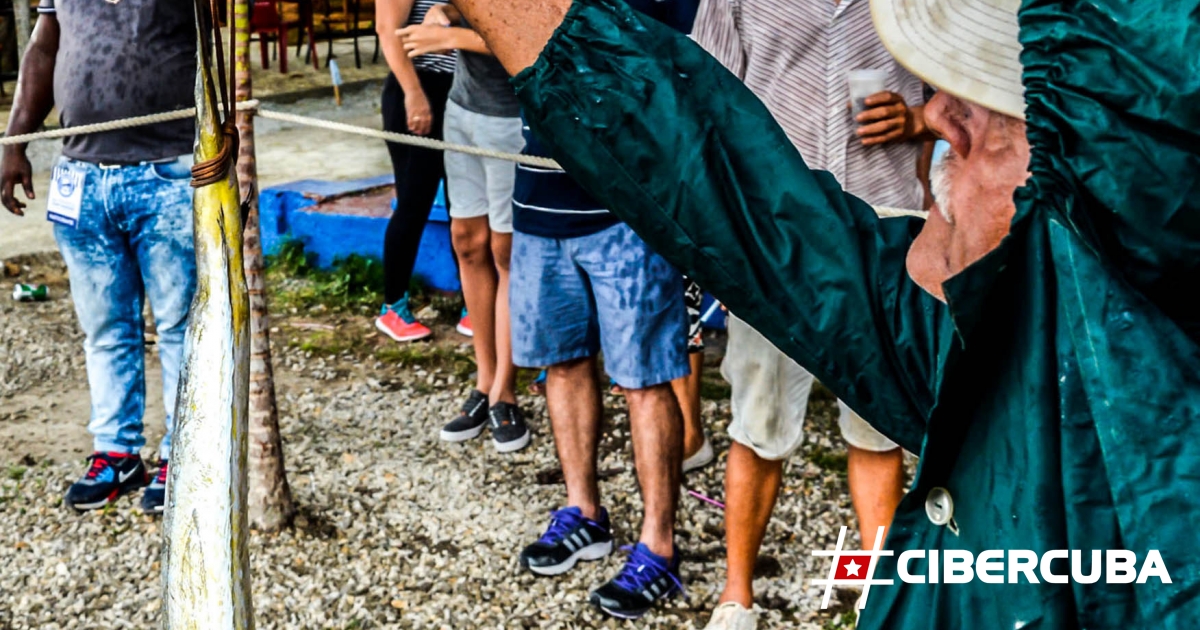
464 325
397 322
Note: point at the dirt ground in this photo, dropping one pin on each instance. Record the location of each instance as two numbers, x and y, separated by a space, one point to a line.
395 528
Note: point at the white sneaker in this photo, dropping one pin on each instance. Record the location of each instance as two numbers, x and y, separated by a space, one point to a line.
702 458
732 616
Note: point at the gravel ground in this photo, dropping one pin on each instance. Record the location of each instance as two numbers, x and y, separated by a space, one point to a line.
395 529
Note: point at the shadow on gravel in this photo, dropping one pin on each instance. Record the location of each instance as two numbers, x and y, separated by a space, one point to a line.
314 523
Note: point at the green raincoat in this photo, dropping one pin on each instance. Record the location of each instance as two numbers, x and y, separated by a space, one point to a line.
1055 399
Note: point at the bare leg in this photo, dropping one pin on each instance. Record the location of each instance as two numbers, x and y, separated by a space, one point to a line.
515 30
687 392
573 402
751 487
472 245
657 430
876 487
504 385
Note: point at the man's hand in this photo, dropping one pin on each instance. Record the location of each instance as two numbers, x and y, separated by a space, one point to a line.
420 114
889 119
15 167
425 39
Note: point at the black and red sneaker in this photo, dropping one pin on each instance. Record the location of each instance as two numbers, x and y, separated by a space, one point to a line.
110 476
155 496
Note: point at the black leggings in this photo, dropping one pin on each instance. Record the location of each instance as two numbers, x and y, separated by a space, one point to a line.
418 172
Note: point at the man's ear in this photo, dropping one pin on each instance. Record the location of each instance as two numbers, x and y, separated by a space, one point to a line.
947 117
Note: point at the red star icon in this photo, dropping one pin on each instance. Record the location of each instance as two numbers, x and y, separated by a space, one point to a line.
852 567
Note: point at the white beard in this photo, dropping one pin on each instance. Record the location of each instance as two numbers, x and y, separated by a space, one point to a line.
939 180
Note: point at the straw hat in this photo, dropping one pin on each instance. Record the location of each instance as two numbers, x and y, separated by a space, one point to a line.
968 48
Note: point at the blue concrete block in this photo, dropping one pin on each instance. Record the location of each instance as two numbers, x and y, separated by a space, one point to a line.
329 236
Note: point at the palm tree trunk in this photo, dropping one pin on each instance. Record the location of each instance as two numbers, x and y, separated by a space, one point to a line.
270 499
24 27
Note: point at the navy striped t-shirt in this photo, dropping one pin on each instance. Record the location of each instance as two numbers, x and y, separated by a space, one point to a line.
547 202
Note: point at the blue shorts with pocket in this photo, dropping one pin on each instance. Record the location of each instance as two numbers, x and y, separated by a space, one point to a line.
572 297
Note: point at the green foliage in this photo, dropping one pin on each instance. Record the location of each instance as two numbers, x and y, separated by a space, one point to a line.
841 621
354 283
829 460
456 361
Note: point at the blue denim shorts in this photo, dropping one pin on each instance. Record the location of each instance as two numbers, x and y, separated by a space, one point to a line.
572 297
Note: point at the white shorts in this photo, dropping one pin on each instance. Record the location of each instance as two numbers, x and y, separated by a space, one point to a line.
859 434
770 397
770 393
478 186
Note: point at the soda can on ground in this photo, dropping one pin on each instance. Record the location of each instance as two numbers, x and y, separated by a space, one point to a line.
30 293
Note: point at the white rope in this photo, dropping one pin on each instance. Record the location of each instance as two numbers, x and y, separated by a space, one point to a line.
887 213
389 136
112 125
403 138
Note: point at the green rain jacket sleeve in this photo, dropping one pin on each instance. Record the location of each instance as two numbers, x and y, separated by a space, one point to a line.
678 148
1113 88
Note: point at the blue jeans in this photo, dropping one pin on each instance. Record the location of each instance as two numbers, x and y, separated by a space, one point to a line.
571 297
133 242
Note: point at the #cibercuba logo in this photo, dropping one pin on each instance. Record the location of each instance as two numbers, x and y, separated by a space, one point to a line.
852 568
990 566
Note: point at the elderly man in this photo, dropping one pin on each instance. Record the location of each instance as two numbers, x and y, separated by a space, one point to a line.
1039 350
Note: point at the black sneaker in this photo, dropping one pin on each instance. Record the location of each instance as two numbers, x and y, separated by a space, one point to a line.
570 538
156 493
509 432
470 422
110 476
645 579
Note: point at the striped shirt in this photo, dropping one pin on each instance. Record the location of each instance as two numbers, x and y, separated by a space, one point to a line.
549 204
436 62
795 55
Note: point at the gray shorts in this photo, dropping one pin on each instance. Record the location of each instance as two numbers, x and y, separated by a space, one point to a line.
478 186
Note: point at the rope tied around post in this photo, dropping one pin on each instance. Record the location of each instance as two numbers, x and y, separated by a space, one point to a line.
216 169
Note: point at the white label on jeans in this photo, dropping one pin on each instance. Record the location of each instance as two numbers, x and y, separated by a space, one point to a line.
66 195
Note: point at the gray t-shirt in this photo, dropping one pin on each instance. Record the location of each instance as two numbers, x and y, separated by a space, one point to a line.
481 86
131 58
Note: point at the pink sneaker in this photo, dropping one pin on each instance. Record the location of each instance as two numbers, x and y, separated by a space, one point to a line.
397 322
464 325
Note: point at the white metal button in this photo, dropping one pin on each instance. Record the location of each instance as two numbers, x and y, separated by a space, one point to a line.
939 506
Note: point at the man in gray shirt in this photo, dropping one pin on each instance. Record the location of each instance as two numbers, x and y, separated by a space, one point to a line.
121 206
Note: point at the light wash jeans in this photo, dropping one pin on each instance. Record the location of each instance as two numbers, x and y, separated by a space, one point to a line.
133 242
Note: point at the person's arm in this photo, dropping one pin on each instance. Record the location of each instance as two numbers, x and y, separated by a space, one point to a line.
924 169
425 39
31 104
390 15
440 32
678 148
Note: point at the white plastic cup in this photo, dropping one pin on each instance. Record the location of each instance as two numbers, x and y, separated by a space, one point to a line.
864 83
